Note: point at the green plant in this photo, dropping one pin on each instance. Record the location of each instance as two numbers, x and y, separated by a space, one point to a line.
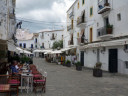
68 62
78 63
25 59
98 65
109 26
57 44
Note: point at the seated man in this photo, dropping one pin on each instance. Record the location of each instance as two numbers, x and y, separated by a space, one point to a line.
13 68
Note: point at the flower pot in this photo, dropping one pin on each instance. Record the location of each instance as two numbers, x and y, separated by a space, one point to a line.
68 64
97 72
79 68
109 30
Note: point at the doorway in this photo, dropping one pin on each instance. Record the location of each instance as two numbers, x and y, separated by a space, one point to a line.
113 60
82 58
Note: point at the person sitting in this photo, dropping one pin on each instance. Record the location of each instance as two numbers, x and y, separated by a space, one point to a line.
14 69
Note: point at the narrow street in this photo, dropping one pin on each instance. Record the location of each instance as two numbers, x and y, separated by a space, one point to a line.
63 81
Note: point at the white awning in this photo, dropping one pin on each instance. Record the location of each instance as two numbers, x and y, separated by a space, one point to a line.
56 52
107 43
25 51
36 51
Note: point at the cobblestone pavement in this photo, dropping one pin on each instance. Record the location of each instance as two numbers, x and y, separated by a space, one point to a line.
63 81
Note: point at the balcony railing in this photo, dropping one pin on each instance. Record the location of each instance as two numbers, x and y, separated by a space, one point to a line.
103 6
69 27
80 20
104 31
71 14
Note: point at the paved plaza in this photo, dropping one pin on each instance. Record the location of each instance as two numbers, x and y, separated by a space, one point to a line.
64 81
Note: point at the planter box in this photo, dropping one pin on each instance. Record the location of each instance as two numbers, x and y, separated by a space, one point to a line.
109 30
79 68
97 72
68 64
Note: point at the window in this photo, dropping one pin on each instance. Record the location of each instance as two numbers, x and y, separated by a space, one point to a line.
20 44
0 23
83 2
24 45
42 35
91 11
126 62
91 34
78 5
36 40
31 45
72 23
42 45
119 17
35 46
78 35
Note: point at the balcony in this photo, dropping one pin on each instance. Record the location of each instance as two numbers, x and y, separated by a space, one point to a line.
81 22
105 32
80 41
69 28
103 6
70 42
71 14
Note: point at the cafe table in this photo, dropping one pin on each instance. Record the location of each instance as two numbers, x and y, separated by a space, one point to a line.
28 78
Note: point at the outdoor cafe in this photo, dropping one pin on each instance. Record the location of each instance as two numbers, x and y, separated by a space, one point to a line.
22 78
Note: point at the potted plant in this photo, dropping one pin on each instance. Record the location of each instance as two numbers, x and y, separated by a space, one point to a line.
97 71
68 63
78 66
109 29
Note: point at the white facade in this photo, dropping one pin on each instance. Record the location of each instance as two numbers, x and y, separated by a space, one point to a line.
25 39
47 38
7 19
98 16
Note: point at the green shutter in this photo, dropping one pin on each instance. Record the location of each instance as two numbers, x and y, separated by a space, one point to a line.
83 1
91 11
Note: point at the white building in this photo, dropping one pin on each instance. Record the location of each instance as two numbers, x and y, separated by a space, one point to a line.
99 27
7 29
25 39
47 38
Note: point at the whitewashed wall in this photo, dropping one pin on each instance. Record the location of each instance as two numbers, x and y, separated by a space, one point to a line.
27 42
48 43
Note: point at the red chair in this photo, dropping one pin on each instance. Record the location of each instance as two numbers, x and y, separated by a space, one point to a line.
41 83
14 81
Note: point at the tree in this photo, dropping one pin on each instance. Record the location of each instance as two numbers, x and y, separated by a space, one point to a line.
57 44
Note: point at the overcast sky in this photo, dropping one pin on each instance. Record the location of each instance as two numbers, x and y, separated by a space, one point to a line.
42 14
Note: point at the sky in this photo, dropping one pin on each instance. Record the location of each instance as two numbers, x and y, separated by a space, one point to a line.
39 15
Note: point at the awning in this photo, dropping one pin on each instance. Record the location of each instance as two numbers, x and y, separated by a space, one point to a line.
25 51
38 51
107 43
56 52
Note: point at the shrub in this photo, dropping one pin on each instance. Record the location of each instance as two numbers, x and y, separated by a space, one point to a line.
78 63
